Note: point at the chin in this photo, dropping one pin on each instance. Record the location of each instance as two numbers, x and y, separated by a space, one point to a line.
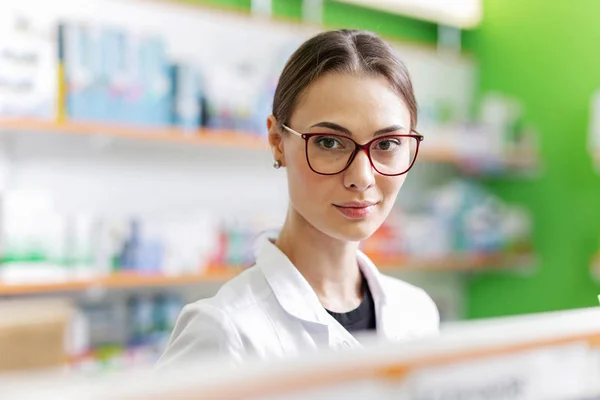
353 231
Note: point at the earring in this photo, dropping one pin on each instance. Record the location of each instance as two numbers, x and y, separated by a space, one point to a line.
276 164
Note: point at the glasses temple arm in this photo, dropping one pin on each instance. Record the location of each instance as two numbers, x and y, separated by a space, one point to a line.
291 130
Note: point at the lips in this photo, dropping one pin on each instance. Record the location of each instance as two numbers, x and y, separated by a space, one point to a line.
356 209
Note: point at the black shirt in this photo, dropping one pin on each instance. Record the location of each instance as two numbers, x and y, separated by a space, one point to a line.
361 318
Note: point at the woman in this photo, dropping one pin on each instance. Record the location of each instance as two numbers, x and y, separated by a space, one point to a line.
342 126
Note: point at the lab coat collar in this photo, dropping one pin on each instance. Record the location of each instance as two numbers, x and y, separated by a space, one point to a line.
292 290
389 324
373 277
295 294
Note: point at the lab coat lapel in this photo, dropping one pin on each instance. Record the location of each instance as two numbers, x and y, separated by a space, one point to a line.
292 291
391 321
297 297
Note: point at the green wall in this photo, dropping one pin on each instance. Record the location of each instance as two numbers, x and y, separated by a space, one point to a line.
546 54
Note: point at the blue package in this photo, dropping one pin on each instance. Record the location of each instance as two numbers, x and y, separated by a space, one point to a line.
140 317
131 85
111 76
153 69
79 61
128 256
186 98
149 257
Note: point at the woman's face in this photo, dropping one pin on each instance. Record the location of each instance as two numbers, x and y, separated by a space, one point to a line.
353 204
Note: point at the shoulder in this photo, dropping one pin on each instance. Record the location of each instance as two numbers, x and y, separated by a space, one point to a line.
413 299
209 326
243 292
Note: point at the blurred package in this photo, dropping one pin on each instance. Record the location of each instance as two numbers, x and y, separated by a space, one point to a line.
153 74
27 67
39 243
34 238
113 75
504 117
480 222
123 332
187 98
33 334
500 136
459 217
80 79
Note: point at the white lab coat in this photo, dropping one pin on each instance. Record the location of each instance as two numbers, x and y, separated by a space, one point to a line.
270 310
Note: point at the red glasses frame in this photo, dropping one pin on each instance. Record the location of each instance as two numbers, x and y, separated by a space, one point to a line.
358 147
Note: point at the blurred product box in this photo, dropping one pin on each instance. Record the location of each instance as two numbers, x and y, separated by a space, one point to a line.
83 71
187 104
113 74
107 74
40 243
33 334
27 67
153 73
79 71
33 238
459 217
123 333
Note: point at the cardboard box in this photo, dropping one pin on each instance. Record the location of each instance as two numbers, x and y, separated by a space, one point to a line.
32 334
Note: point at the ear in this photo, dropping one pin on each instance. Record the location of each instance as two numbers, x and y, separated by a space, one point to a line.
276 140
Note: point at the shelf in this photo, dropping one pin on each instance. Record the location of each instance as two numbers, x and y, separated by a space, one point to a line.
129 280
457 263
204 137
518 161
236 139
120 280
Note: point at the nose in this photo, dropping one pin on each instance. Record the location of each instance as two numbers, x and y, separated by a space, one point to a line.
360 174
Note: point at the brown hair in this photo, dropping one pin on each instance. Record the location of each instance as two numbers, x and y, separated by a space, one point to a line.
342 51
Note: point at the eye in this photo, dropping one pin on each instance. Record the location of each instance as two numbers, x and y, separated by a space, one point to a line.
388 144
329 142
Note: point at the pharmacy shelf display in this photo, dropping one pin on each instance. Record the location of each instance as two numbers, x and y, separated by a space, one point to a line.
122 280
205 137
243 140
218 275
457 262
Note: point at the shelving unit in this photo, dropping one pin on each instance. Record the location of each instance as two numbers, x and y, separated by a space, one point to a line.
231 139
205 137
120 280
124 280
458 262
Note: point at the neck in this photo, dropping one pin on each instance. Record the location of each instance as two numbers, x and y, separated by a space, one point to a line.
328 264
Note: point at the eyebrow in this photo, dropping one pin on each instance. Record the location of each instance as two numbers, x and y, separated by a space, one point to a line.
346 131
335 127
389 129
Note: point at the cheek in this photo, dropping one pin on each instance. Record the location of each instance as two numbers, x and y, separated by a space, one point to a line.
297 168
389 187
304 185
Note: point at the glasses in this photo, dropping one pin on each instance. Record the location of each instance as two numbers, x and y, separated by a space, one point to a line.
331 154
